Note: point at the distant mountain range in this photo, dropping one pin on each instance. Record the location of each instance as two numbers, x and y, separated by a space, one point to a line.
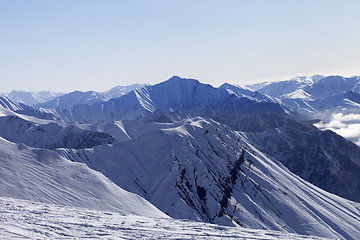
31 98
315 94
175 98
230 155
49 99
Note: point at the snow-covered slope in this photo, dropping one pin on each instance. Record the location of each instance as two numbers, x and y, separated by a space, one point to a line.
32 98
45 176
74 98
119 91
331 85
320 98
11 105
202 170
247 93
313 94
49 134
22 219
277 89
172 95
323 158
178 146
348 100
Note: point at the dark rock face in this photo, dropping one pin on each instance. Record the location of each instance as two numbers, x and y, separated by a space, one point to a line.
323 158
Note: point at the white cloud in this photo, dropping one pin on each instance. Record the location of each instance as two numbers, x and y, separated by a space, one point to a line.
346 125
346 118
351 131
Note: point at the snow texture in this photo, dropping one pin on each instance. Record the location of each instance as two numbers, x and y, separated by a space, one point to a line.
202 170
177 152
32 98
172 95
21 219
74 98
45 176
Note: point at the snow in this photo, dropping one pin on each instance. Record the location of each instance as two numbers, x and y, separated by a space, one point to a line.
74 98
10 105
50 135
7 112
279 88
300 93
21 219
45 176
119 91
170 158
168 167
175 94
32 98
319 97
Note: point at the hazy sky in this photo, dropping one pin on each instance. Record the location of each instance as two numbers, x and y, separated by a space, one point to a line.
67 45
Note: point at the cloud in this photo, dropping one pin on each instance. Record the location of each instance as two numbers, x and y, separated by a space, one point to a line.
346 125
351 131
347 118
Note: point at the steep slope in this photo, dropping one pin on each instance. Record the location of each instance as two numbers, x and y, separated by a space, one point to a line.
202 170
41 113
119 91
314 95
24 219
45 176
49 134
331 85
169 96
322 99
74 98
11 105
248 93
337 102
32 98
323 158
331 93
277 89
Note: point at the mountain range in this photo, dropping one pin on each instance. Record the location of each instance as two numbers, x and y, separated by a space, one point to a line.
233 156
314 94
47 99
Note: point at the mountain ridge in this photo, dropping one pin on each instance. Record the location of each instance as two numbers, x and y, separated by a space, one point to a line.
215 172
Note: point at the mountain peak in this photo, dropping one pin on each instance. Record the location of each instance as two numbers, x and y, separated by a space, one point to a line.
229 85
177 79
226 85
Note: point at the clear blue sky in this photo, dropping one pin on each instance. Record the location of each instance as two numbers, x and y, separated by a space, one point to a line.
67 45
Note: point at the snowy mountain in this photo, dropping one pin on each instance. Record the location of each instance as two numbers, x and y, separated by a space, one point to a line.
331 85
175 94
247 93
296 145
49 134
32 98
239 108
348 100
11 105
202 170
315 94
229 155
277 89
51 100
25 219
119 91
44 176
321 98
74 98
